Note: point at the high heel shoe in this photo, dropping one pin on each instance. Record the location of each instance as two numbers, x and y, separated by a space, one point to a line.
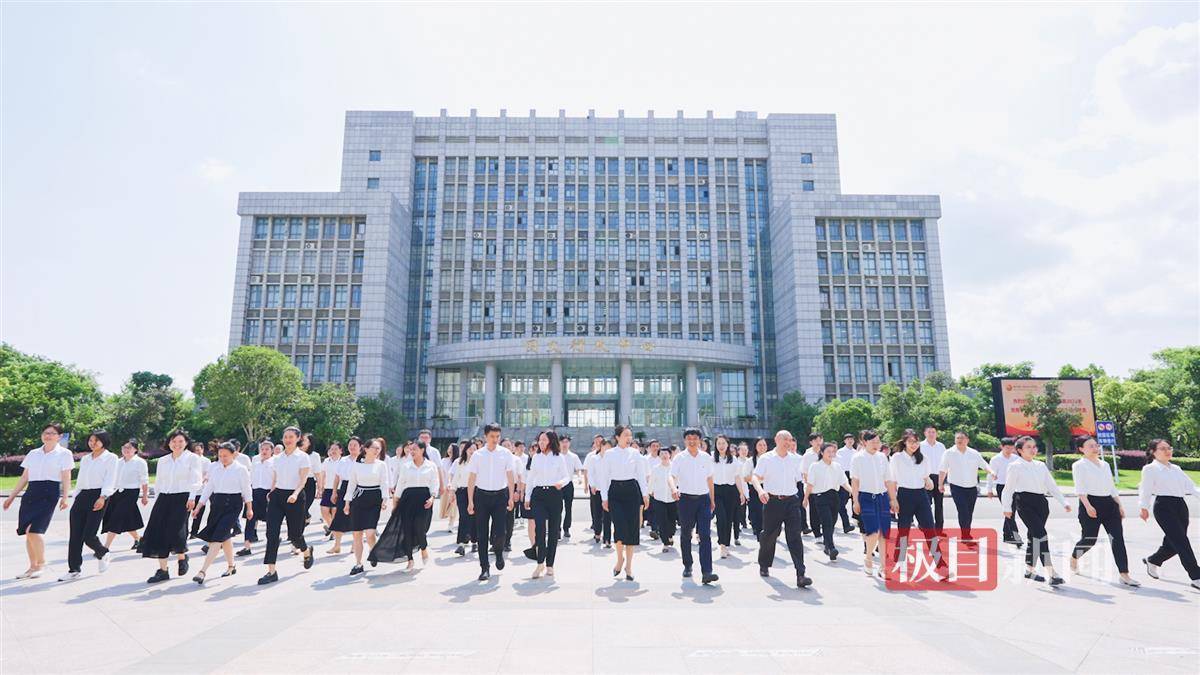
199 578
617 572
229 572
537 573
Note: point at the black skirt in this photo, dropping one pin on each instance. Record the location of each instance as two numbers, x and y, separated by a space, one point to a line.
123 514
166 531
37 506
624 502
406 529
341 520
327 498
223 513
364 510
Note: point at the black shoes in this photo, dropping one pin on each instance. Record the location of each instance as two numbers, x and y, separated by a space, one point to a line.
1034 576
687 571
459 551
1056 581
708 578
499 561
531 553
485 575
566 535
204 548
308 558
243 552
764 572
803 581
831 553
183 567
654 536
508 548
268 578
357 569
474 548
159 576
100 555
229 572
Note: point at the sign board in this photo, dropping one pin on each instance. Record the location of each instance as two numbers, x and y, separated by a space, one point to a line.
1106 433
1010 394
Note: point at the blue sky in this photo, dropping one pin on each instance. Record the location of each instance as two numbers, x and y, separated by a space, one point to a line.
1062 139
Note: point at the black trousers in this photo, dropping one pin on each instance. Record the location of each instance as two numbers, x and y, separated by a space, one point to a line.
546 505
964 503
1010 523
1034 510
695 512
824 505
198 520
466 521
843 500
782 513
754 509
85 523
491 516
259 502
568 499
1171 513
727 501
279 510
1108 514
667 515
937 503
601 519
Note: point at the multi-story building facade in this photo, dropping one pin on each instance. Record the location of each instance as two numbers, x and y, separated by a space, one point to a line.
585 271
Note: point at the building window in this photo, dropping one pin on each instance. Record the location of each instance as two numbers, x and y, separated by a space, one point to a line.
372 183
374 155
806 158
807 186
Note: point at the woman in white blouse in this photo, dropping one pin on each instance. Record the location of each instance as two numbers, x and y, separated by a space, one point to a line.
909 477
458 483
416 488
177 484
1163 488
1099 504
623 492
133 479
822 486
365 499
548 473
328 483
228 489
1032 481
729 490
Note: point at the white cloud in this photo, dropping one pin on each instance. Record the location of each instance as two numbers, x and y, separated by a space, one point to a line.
214 170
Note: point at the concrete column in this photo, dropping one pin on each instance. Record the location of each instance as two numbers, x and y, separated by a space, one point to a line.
691 397
750 394
464 388
490 398
718 399
556 393
625 387
430 392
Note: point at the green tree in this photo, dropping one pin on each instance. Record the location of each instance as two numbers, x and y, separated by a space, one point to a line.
948 411
977 385
329 412
1052 422
381 416
147 408
1178 378
35 391
899 409
255 389
1093 371
794 413
939 380
1127 403
839 418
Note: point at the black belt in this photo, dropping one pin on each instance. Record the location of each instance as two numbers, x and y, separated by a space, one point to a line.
688 494
492 492
784 497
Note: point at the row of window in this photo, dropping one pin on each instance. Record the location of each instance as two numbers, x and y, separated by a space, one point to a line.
305 296
300 331
309 227
576 249
854 370
577 310
870 230
427 167
547 280
327 261
631 330
548 220
868 297
331 368
876 332
872 263
548 193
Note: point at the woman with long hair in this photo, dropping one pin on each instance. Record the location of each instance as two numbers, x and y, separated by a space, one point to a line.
328 483
745 468
178 478
548 473
341 524
133 480
408 528
729 491
1163 489
910 481
365 498
754 506
1099 504
1031 480
624 492
202 450
228 489
308 444
449 509
458 482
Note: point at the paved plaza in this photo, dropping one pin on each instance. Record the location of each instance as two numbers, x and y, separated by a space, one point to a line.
440 619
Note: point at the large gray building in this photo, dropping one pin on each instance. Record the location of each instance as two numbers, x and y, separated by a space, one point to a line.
583 271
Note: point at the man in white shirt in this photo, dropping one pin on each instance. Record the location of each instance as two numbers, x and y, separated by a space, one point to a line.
932 449
490 494
776 478
812 523
844 455
601 520
426 436
997 478
960 468
692 472
574 466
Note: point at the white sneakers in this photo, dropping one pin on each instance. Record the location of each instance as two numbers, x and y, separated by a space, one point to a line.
70 576
1151 568
103 564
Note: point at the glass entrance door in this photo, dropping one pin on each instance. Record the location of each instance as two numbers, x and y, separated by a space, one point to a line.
591 414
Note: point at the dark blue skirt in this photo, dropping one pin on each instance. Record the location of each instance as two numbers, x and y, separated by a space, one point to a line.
327 498
341 520
223 513
876 513
37 506
624 500
166 530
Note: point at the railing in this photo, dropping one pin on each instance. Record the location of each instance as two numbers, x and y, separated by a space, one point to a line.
741 425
